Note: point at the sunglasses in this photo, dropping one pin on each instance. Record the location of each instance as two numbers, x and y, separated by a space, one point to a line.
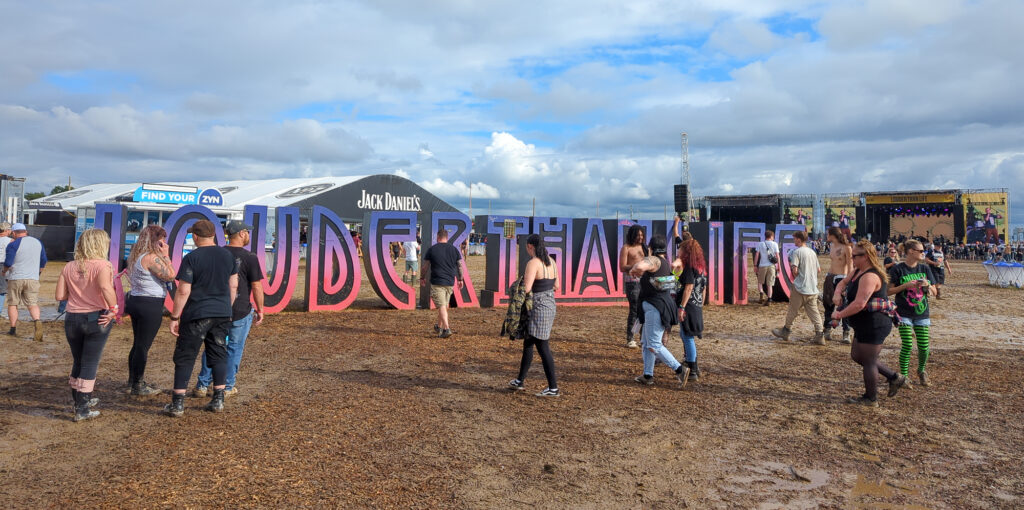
862 254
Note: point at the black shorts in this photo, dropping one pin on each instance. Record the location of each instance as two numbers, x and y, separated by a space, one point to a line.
872 335
940 276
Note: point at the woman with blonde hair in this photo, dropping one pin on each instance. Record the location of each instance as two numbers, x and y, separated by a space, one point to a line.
87 284
867 290
149 269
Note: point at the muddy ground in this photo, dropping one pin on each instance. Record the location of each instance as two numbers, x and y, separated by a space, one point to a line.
366 408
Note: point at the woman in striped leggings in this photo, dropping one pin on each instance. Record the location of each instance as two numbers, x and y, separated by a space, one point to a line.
912 284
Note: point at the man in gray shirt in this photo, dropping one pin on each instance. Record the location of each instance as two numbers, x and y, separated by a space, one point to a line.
804 294
24 260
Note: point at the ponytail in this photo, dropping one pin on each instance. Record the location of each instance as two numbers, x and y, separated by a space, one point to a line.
539 250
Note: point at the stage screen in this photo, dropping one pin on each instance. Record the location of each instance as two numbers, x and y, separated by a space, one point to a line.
799 215
841 213
927 226
985 217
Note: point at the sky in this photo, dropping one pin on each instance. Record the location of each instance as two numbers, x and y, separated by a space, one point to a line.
572 103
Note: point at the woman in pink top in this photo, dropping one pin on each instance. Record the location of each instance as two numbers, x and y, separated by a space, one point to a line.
88 286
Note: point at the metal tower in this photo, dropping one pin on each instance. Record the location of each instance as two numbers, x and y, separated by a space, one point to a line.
685 177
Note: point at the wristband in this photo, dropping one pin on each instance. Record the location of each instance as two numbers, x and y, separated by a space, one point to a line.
175 319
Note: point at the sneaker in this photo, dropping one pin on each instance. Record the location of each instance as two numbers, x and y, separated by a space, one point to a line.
846 338
896 384
84 414
924 378
231 392
827 334
200 391
548 392
683 374
437 329
516 385
39 330
645 380
819 339
862 400
631 344
782 333
445 333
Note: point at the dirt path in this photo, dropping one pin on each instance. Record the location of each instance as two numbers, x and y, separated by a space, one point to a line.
366 408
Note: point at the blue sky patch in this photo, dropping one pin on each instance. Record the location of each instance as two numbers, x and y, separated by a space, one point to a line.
92 81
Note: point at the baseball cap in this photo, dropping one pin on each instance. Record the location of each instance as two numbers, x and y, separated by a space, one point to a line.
234 226
202 228
18 226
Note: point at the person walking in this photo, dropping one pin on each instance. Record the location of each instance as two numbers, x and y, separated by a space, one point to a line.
411 250
149 272
5 239
541 278
243 315
24 261
840 265
207 285
87 284
866 289
766 257
936 259
443 263
632 252
658 310
804 294
912 284
694 283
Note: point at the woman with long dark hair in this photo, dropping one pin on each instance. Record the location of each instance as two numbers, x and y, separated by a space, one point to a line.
149 268
694 284
87 284
633 250
540 277
657 284
866 288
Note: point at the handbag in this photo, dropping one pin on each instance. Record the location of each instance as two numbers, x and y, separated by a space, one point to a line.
772 257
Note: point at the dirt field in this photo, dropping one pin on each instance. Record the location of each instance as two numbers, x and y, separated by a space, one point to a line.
365 408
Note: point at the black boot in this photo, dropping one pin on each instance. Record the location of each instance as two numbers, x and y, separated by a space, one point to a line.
142 389
92 401
82 409
216 404
694 371
176 409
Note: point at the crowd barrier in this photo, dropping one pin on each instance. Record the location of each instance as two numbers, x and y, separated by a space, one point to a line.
1005 274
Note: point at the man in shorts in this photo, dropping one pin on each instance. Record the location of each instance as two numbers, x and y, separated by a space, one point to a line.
443 263
766 269
411 249
24 260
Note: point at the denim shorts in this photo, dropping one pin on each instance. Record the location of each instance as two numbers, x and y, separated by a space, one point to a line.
904 321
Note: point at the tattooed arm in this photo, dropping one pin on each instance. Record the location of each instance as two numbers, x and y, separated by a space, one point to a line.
159 266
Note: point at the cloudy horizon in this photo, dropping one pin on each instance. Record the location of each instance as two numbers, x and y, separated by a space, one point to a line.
567 102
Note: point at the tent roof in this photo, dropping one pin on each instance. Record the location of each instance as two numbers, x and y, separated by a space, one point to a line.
237 194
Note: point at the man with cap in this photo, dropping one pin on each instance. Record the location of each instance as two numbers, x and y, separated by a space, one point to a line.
24 260
250 281
207 285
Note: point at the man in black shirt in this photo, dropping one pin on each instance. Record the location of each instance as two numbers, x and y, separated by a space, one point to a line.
250 281
443 263
207 285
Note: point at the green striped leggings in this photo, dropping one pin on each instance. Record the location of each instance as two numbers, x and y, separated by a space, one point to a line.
907 334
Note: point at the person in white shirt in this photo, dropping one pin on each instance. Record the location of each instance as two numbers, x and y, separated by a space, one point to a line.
804 294
411 249
5 239
766 257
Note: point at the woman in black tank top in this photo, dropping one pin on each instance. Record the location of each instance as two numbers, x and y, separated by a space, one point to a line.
541 275
868 282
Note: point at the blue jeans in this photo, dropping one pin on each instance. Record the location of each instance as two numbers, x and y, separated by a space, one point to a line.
689 347
236 344
906 321
652 346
